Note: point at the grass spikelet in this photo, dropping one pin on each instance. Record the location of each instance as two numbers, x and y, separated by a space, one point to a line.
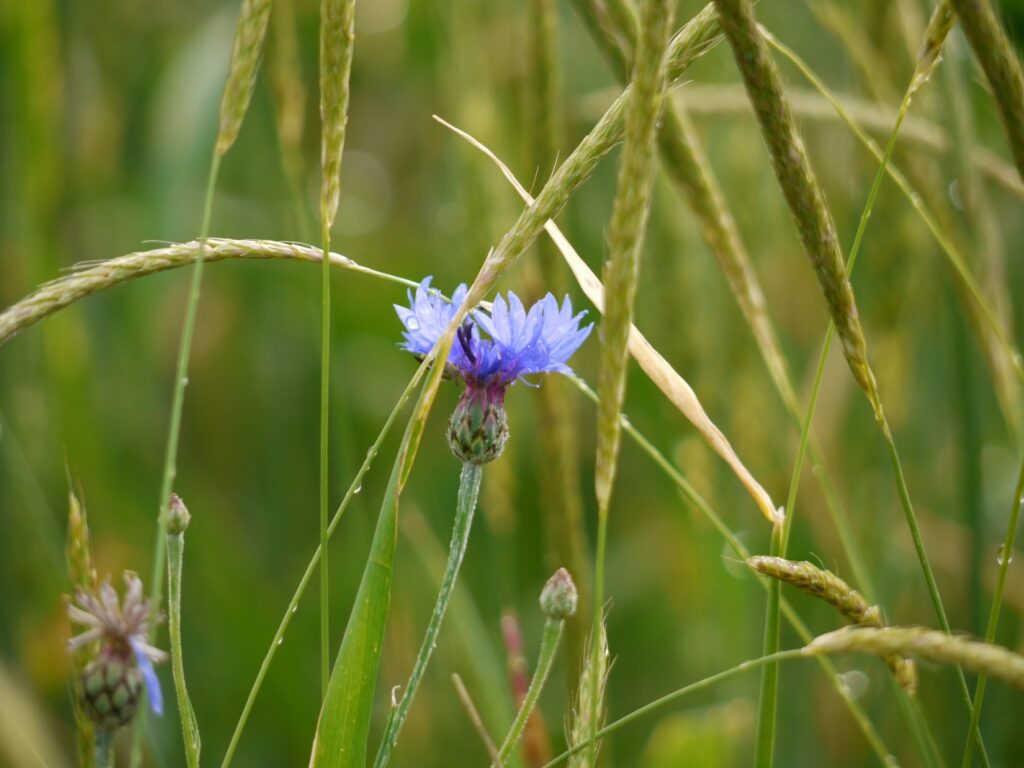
337 38
935 34
250 32
91 277
799 184
826 586
625 240
289 92
83 576
1000 61
589 712
79 547
929 644
917 132
822 584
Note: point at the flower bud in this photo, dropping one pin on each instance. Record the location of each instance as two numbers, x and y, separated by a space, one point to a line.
178 516
559 596
478 429
111 687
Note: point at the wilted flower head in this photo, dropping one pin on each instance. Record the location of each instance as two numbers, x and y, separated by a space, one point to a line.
113 679
517 343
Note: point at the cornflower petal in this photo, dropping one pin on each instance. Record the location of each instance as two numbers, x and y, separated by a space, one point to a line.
152 682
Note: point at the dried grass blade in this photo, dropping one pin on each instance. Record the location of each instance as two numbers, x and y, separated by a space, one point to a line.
659 370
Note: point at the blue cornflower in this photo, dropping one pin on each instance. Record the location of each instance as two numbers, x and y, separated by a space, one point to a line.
112 681
517 343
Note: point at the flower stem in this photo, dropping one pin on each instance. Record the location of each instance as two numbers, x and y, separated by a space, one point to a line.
548 646
189 726
170 470
104 748
469 489
1005 556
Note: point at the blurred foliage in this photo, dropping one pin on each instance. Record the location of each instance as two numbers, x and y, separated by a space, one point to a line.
109 112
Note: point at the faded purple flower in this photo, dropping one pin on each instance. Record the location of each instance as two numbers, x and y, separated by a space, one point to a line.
121 627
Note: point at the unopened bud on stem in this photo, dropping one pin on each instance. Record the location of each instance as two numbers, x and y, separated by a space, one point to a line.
559 597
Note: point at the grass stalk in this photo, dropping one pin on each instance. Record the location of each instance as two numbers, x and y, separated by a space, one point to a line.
545 657
690 495
764 738
170 470
178 519
999 59
930 644
799 184
1005 556
337 33
469 489
693 176
474 716
918 133
621 275
325 429
935 36
247 46
91 277
679 693
943 239
312 566
82 575
559 465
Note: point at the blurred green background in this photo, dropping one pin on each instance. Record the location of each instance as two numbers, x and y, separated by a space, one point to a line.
108 111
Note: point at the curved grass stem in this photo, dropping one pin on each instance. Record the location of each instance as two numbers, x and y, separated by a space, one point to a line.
669 698
1005 556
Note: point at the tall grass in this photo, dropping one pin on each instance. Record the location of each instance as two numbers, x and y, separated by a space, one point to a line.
730 351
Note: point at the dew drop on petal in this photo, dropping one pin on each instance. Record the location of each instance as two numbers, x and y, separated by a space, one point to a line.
412 324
